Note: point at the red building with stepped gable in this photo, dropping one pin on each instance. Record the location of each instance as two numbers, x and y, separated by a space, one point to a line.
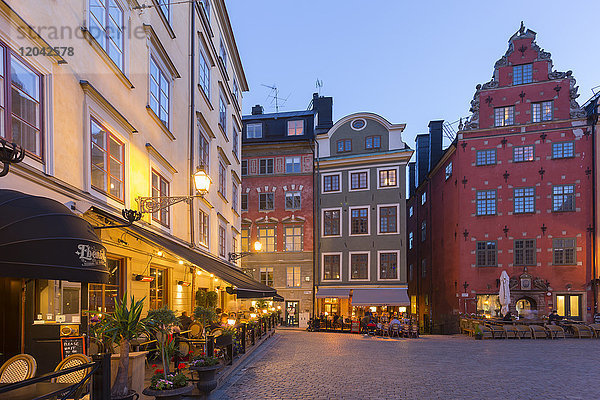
513 192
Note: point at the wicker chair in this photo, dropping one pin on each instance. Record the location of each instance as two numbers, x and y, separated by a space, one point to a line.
582 331
195 330
72 361
555 331
396 331
596 329
18 368
538 332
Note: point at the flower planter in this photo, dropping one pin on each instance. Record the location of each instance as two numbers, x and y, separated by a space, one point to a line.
169 394
207 380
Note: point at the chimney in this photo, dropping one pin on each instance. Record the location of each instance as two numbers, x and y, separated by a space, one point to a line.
257 110
422 144
323 107
435 142
411 178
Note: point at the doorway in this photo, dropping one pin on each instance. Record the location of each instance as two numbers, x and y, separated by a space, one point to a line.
291 313
526 306
569 305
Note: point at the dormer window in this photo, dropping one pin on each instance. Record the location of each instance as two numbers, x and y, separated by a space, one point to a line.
295 128
344 145
373 142
522 74
254 131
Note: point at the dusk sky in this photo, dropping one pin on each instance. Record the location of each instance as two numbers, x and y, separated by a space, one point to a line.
411 62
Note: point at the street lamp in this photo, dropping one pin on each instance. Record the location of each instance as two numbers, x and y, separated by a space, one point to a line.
150 205
236 256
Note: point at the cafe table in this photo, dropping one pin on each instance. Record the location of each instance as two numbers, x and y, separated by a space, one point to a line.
38 391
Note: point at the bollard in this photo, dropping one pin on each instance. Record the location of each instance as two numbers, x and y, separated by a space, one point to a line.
210 345
101 378
243 340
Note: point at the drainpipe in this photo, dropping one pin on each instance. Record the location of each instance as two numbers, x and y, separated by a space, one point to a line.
316 232
430 259
192 120
594 121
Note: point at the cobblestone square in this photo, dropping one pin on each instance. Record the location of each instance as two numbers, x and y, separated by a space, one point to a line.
306 365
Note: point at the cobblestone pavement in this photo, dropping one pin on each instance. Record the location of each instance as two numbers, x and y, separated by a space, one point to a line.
306 365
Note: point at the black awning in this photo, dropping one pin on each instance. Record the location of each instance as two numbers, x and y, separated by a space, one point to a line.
40 238
245 287
278 297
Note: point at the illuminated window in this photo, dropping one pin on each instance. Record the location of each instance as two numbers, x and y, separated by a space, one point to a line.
523 153
293 238
158 288
102 297
293 277
542 111
387 178
504 116
246 239
295 128
108 155
266 276
267 238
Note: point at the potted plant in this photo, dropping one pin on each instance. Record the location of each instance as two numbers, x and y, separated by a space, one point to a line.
206 302
206 367
121 326
165 384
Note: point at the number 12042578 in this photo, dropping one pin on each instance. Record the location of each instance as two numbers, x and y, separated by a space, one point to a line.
46 51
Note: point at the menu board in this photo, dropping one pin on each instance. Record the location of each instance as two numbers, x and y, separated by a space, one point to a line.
72 345
355 327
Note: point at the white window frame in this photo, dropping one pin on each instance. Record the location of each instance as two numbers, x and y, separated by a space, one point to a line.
368 207
295 127
254 125
223 113
204 60
293 159
339 174
368 266
323 266
379 206
224 248
323 222
350 172
379 265
200 225
299 275
397 168
155 59
124 7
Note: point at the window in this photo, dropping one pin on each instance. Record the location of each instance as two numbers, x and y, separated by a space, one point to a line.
542 111
522 74
388 265
160 188
266 276
331 222
295 128
448 170
410 211
22 101
203 152
563 150
265 166
292 165
223 53
204 72
524 200
106 26
234 145
388 219
522 153
292 200
222 112
423 231
234 197
293 238
410 272
486 202
373 142
203 220
222 179
234 244
563 198
158 288
359 180
423 198
504 116
359 266
487 254
563 251
159 92
293 277
265 201
423 268
206 6
102 296
246 239
410 240
254 131
569 305
107 162
486 157
222 241
244 201
344 145
267 237
236 90
359 221
165 7
524 252
331 267
387 178
244 167
331 183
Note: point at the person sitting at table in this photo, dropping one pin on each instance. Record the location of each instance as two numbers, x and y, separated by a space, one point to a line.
508 316
184 321
336 319
553 318
395 320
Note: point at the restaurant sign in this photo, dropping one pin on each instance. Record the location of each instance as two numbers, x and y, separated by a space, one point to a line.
90 255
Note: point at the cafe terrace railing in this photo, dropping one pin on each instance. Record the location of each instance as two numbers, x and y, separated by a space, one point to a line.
98 377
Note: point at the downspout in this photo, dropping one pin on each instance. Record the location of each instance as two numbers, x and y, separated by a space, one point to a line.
316 232
192 122
594 199
430 259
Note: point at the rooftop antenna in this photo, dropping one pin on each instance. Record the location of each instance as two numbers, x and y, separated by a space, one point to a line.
274 96
319 85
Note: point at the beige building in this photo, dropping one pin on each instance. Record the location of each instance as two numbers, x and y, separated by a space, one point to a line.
115 100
